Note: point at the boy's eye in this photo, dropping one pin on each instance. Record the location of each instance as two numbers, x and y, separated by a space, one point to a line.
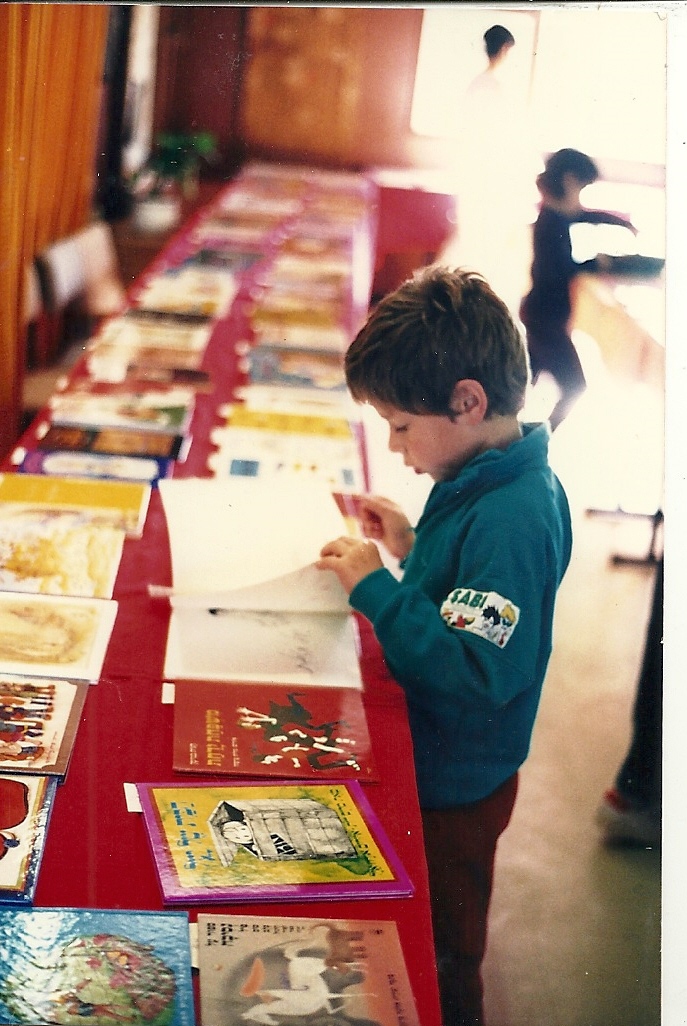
398 428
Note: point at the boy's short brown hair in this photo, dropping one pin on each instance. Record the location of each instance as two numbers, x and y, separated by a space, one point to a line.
436 329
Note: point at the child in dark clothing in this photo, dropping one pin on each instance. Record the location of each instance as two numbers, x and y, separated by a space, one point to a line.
546 309
467 631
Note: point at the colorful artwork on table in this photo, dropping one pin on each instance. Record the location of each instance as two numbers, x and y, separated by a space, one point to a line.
25 807
113 442
301 368
120 504
168 410
98 465
38 723
194 290
265 729
58 551
70 966
254 841
54 636
295 971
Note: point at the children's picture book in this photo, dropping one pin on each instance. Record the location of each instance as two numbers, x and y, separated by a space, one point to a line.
311 648
112 442
99 465
231 547
296 399
254 841
241 416
112 363
295 971
260 453
243 608
190 289
142 329
40 720
54 636
166 376
58 552
224 258
120 504
300 368
99 966
25 807
265 729
169 410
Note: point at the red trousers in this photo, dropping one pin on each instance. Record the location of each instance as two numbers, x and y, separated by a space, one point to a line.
460 845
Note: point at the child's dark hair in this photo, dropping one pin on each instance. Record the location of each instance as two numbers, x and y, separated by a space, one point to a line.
495 38
566 162
436 329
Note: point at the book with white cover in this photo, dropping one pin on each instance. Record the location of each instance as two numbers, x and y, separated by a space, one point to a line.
247 601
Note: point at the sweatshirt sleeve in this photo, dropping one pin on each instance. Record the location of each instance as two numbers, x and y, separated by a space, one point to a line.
429 659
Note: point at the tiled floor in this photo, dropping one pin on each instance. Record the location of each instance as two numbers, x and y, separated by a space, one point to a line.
576 927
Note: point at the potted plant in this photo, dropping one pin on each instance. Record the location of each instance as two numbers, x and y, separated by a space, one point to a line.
170 173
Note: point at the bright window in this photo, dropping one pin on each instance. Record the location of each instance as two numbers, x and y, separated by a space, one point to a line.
592 77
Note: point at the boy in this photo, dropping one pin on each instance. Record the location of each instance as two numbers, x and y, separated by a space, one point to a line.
546 309
467 631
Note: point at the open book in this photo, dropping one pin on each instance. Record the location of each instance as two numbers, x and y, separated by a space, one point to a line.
247 602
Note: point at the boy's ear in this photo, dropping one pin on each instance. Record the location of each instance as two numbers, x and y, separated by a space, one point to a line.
469 400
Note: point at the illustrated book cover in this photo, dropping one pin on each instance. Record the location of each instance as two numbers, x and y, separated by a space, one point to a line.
58 551
301 368
190 289
270 730
40 721
110 363
25 807
302 972
142 329
256 841
112 442
248 452
54 635
99 966
56 463
121 504
168 410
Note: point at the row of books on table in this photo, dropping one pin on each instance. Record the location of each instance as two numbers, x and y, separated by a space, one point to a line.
261 661
116 966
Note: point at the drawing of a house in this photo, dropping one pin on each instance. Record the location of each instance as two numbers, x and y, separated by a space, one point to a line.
279 829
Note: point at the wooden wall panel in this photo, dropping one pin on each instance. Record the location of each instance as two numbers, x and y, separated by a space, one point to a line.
327 85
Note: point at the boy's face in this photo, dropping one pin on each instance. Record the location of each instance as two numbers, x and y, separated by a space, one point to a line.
430 444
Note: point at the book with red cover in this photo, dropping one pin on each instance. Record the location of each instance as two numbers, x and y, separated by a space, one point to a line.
25 807
271 730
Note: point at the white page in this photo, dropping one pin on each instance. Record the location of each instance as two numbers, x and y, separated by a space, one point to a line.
286 648
238 533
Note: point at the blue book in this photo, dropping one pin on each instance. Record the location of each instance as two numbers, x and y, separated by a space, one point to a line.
71 965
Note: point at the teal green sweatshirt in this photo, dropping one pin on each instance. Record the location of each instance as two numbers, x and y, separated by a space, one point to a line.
467 632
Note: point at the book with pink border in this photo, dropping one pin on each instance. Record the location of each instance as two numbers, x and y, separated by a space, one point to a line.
276 841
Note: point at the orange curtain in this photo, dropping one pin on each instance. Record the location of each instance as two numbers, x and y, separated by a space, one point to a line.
51 75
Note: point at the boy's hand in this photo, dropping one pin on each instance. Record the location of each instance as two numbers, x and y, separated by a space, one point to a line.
386 522
351 559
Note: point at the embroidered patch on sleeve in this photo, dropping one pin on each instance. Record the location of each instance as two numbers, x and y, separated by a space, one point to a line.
481 612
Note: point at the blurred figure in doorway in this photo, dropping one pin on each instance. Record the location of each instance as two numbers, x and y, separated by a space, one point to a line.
546 309
496 202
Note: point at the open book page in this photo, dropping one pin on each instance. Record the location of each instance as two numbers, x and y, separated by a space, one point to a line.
248 645
236 544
